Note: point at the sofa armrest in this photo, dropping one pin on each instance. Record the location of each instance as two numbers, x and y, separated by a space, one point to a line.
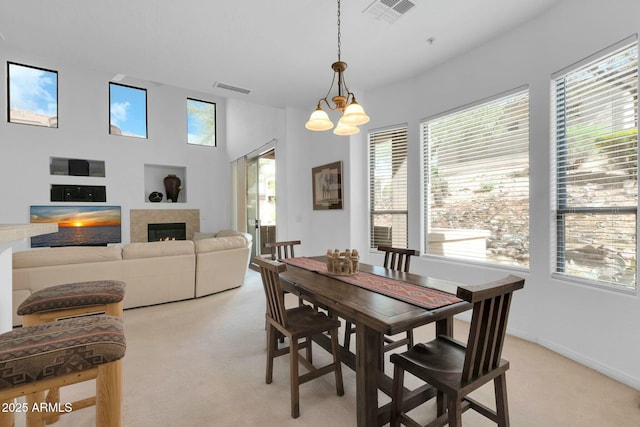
228 233
215 244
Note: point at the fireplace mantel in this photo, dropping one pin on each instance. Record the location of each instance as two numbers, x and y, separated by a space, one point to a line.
141 218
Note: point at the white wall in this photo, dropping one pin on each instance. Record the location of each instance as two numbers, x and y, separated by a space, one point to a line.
83 111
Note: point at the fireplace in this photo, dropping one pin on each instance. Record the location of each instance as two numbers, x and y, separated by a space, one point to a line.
166 231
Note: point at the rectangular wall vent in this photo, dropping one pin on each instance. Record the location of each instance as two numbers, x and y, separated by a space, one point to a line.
231 87
389 10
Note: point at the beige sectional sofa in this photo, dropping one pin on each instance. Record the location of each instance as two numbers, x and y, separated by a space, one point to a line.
155 272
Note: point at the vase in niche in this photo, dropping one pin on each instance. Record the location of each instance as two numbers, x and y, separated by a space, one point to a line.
172 187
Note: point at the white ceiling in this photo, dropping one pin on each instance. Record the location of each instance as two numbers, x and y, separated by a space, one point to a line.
280 49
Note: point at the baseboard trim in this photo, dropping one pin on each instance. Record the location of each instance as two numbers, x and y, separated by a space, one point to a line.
590 363
612 373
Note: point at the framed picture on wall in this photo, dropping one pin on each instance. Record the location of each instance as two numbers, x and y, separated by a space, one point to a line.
327 186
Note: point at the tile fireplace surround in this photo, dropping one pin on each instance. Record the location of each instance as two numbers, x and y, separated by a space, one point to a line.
140 218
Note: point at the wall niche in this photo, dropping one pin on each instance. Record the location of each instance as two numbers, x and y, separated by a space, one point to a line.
154 181
76 167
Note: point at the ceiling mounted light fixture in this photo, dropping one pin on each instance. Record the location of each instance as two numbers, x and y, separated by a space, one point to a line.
353 114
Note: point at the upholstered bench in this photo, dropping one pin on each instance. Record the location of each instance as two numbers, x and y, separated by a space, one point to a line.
55 354
73 299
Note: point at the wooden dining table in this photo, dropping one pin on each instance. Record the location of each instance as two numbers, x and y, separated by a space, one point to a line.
374 315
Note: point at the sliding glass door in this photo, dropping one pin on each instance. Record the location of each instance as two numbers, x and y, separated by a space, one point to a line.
261 200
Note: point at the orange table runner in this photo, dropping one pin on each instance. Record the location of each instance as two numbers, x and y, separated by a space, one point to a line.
413 294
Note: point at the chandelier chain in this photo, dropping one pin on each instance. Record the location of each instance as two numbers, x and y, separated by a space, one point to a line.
339 30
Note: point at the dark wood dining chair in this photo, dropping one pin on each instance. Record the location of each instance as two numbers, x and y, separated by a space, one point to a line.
456 369
296 323
282 250
397 259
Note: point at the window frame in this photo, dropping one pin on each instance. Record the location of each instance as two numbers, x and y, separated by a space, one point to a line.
426 181
215 123
146 112
380 132
9 64
559 150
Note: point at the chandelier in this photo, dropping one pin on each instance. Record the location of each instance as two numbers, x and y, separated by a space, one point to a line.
353 114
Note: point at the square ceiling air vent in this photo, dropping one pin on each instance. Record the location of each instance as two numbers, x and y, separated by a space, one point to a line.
389 10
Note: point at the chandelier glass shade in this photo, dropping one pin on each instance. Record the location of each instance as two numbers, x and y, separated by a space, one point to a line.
353 114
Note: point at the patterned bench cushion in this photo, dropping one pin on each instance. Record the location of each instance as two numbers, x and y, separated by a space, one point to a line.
71 295
34 353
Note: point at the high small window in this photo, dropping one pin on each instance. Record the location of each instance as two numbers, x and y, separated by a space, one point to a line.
476 182
127 111
201 122
388 187
596 167
32 95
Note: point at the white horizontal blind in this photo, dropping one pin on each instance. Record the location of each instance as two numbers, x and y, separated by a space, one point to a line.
388 187
596 168
476 181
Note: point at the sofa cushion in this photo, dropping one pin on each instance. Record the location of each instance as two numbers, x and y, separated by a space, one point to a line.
157 249
66 255
71 345
220 244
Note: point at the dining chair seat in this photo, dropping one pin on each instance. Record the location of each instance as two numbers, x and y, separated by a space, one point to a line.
304 320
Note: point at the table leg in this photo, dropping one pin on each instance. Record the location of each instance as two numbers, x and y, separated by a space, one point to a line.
368 344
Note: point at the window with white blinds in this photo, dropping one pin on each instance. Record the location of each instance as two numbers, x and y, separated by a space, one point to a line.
388 187
596 167
476 181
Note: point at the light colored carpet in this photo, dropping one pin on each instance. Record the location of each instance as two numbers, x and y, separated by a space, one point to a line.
202 363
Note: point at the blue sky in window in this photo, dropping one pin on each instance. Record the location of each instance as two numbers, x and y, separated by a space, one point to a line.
128 110
201 122
32 89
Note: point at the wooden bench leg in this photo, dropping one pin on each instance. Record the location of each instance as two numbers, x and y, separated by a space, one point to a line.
109 395
53 398
7 416
35 419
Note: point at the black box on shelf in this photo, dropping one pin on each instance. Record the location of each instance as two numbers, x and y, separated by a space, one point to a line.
78 193
78 167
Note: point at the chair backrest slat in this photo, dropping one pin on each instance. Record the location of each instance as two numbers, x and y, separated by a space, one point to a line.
397 259
270 272
282 250
491 304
